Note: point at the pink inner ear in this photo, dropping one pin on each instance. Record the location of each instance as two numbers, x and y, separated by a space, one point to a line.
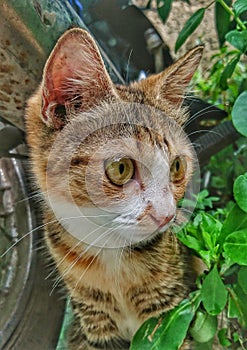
74 73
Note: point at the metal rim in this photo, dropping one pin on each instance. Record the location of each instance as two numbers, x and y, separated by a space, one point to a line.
31 315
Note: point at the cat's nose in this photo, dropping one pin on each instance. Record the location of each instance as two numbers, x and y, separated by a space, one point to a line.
163 221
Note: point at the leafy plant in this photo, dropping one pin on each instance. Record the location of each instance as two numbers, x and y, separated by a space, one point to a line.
231 26
235 156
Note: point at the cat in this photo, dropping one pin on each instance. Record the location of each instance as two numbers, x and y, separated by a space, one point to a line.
112 162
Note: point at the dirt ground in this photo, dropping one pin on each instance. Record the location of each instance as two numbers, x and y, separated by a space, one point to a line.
179 14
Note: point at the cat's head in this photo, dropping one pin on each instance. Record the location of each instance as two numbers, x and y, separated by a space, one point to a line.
113 161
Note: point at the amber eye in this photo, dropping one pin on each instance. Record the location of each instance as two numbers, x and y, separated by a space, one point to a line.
178 169
120 172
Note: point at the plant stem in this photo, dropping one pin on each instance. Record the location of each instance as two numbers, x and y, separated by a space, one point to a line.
235 299
211 3
231 12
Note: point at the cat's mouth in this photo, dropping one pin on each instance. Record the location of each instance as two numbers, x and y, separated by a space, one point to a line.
163 223
148 228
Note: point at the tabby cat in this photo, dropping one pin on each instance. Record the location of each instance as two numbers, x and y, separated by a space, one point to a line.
112 162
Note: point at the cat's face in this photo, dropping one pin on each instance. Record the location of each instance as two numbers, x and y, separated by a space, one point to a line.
114 170
118 181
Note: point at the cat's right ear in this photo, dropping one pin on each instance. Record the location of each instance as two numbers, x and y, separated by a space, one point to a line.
74 79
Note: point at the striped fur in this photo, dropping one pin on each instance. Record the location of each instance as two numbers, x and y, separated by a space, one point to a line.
112 290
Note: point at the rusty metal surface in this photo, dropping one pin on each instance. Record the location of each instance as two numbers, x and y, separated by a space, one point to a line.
21 60
28 31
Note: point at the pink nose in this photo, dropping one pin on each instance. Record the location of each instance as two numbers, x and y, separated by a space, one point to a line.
162 221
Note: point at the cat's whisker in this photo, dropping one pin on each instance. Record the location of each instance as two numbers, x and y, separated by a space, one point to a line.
41 227
67 270
130 252
38 195
24 236
118 262
185 210
95 256
84 272
204 131
75 246
199 114
178 223
70 267
128 64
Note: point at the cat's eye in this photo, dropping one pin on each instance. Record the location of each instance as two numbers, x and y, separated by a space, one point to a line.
120 172
178 169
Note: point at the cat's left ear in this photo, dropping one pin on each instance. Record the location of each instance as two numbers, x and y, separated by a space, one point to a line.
74 79
171 84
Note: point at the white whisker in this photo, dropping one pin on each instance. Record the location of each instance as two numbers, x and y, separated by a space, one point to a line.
76 245
24 236
204 131
67 270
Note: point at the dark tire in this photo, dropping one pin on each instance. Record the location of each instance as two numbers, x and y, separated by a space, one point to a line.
31 316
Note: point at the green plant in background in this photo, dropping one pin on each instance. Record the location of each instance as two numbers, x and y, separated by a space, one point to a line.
216 312
211 89
219 238
222 87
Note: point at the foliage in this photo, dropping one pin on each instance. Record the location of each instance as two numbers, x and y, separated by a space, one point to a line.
217 309
219 238
239 114
230 20
210 87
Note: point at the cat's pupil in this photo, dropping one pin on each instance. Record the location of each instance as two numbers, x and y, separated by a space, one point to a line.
177 165
121 168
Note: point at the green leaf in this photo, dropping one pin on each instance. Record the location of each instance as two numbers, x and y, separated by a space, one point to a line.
211 229
237 305
239 6
189 241
213 293
148 6
169 332
238 39
204 327
240 191
235 221
164 8
242 305
235 247
242 278
189 27
239 114
222 335
206 257
232 310
228 71
222 21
